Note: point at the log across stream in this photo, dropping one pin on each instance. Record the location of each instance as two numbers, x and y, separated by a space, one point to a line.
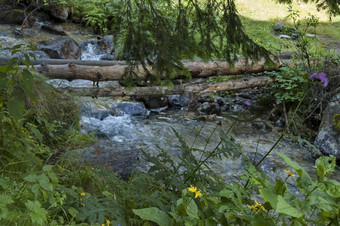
114 70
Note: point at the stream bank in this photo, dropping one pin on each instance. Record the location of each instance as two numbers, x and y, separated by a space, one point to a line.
124 128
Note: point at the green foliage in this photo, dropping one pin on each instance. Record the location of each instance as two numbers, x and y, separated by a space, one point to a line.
185 192
331 5
290 84
336 121
161 33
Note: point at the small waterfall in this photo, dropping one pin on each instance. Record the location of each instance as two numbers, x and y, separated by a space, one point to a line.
92 52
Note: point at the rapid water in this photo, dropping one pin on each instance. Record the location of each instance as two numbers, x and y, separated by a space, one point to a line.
124 129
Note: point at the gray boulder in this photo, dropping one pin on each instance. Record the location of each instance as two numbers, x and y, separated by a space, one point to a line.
131 108
56 30
328 139
61 48
59 13
155 102
15 16
278 26
179 100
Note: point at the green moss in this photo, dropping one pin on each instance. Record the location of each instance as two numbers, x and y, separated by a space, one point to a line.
336 121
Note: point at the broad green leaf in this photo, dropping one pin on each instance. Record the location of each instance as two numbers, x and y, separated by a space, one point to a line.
47 168
304 182
16 107
290 162
192 209
36 212
332 188
31 178
153 214
27 84
325 166
4 200
73 211
226 193
44 182
269 196
280 186
285 208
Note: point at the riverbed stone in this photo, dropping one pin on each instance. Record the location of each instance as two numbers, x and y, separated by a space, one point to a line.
15 16
56 30
107 44
278 26
60 14
155 102
131 108
328 138
119 157
178 101
61 48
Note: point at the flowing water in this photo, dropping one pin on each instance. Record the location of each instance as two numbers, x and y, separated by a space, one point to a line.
124 128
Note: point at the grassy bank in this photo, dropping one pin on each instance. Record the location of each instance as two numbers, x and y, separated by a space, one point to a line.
259 17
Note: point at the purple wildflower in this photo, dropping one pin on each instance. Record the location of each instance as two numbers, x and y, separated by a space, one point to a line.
315 75
321 76
247 103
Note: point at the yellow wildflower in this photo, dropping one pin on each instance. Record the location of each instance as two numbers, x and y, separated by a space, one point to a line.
289 173
83 204
194 190
82 194
107 222
256 207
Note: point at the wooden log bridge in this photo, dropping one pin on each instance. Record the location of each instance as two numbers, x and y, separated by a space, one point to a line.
198 88
113 70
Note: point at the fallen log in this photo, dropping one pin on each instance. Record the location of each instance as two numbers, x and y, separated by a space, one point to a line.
229 85
48 61
197 69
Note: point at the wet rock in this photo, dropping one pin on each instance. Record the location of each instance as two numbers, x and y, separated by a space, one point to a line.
107 57
155 102
278 26
207 108
287 55
285 36
328 138
15 16
206 97
130 108
179 100
60 14
18 32
120 157
107 44
294 35
265 166
310 36
61 48
279 123
56 30
219 100
259 125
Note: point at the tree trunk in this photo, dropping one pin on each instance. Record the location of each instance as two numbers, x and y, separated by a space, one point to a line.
178 89
114 72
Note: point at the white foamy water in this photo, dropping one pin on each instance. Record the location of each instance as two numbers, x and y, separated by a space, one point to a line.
91 52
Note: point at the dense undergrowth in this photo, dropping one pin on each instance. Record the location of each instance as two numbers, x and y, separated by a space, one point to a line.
41 186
